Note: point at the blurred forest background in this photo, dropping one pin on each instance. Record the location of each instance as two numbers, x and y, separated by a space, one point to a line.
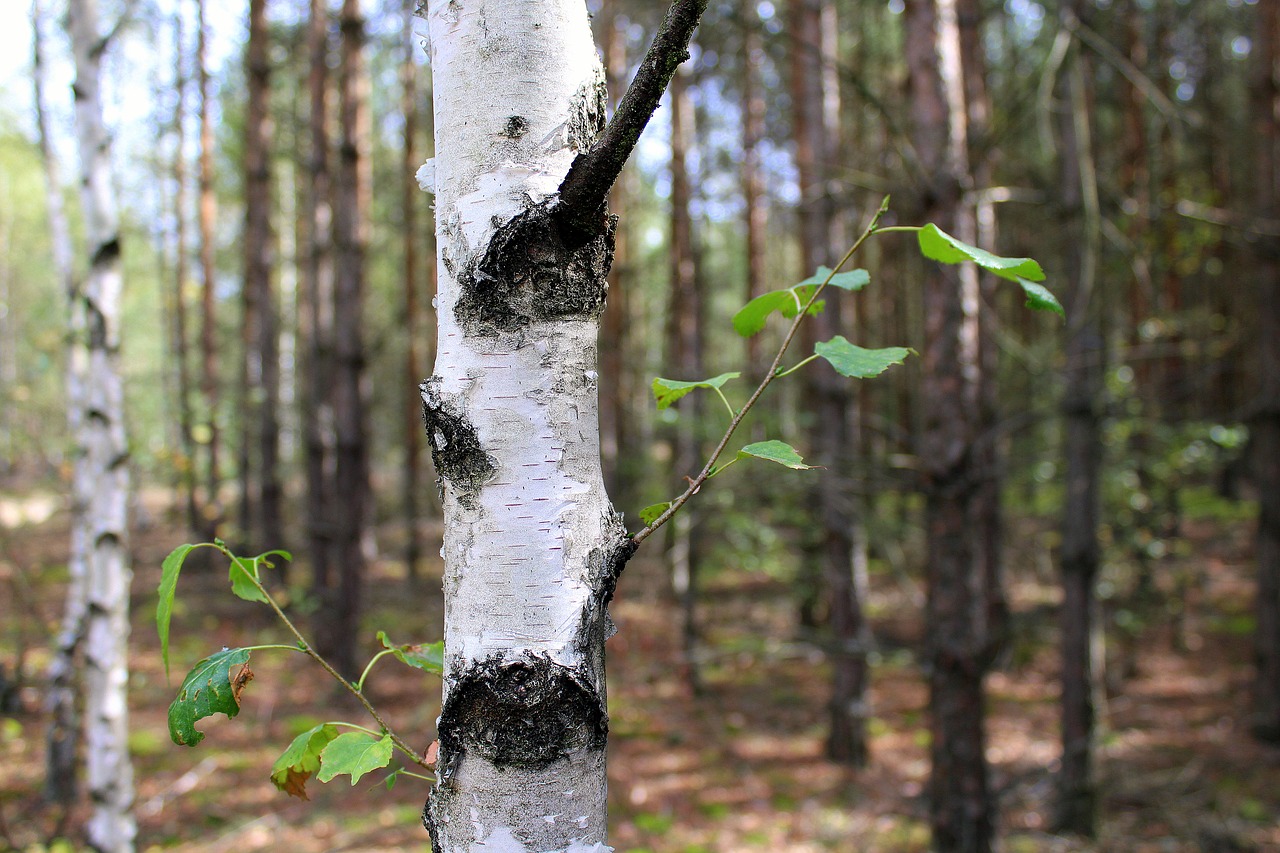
786 654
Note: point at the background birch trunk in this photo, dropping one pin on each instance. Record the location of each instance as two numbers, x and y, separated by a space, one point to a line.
102 478
61 699
531 543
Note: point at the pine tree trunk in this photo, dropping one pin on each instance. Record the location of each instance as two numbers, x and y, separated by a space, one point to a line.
317 316
409 200
1077 795
1266 421
339 620
532 545
208 211
63 736
259 411
958 640
102 481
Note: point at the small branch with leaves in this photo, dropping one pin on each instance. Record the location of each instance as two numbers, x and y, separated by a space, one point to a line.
801 301
214 684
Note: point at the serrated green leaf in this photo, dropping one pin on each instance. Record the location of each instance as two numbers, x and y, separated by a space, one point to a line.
667 391
941 246
354 753
856 362
751 318
775 451
1039 298
169 570
242 574
650 514
301 760
212 687
424 656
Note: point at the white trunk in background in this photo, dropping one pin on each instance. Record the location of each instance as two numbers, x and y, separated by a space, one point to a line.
531 543
102 484
63 736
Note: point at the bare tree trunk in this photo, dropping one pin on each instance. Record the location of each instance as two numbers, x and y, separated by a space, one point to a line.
182 271
756 212
684 349
1077 794
1266 420
409 200
815 97
209 382
958 640
102 485
63 738
339 619
260 489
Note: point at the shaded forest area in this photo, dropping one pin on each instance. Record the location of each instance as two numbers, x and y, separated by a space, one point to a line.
1031 601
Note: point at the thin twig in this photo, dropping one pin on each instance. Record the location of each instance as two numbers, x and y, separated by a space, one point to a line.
327 667
773 373
593 172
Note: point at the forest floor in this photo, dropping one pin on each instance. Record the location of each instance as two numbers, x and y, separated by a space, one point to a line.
738 767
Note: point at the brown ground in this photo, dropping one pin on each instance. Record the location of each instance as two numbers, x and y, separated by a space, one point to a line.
739 768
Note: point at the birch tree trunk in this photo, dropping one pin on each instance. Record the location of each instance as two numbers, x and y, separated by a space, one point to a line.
102 479
62 738
531 544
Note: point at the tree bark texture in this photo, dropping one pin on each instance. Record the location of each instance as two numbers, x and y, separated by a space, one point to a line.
1266 420
958 640
317 314
102 478
208 211
1077 794
532 546
339 618
63 735
260 498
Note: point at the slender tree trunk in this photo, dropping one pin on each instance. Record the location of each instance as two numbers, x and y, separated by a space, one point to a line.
317 317
339 621
815 97
103 455
1082 446
958 639
208 211
684 350
755 203
260 489
412 281
1266 421
182 271
61 765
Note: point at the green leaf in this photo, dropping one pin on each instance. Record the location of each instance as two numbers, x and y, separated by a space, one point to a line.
667 391
356 753
1039 297
856 362
650 513
775 451
302 759
212 687
243 574
847 280
245 568
169 570
424 656
941 246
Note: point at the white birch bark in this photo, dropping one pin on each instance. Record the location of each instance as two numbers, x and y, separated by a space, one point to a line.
531 544
102 487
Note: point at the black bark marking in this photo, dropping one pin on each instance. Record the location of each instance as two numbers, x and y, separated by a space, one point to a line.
516 127
528 274
455 447
525 713
107 252
587 114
